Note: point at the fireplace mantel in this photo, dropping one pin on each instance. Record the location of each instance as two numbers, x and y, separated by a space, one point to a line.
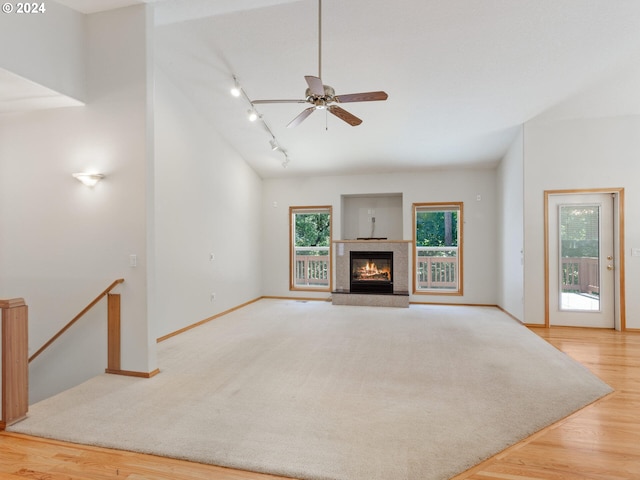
400 295
368 242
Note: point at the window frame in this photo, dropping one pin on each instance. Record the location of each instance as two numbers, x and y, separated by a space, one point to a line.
292 261
439 206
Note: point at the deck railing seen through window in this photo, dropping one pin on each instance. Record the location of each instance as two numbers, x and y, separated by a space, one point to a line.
437 268
311 267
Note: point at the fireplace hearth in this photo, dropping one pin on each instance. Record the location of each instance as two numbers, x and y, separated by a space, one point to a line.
371 272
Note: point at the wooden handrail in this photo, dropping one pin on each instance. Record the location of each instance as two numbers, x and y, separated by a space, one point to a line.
76 318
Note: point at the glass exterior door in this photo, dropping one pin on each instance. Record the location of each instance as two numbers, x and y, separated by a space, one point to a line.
581 260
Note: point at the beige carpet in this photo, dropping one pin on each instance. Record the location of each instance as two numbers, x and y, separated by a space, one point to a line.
317 391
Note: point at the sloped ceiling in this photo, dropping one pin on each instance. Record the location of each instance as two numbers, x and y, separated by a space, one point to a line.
18 94
461 75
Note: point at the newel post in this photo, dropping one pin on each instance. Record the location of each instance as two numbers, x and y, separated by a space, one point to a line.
113 333
15 361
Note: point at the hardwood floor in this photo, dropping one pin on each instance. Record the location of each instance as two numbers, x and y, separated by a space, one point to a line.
602 441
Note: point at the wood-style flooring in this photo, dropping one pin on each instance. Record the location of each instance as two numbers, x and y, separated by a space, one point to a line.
601 441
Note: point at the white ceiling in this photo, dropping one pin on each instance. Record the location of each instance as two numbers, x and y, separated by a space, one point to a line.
93 6
462 75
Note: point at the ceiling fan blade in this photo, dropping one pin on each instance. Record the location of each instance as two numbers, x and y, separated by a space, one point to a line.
315 85
298 120
361 97
278 101
342 114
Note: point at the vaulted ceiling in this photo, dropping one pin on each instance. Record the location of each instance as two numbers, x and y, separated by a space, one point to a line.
462 75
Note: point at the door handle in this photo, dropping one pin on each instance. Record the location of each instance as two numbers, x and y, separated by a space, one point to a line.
609 267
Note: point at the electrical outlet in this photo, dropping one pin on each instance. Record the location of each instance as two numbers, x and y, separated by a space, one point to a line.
213 297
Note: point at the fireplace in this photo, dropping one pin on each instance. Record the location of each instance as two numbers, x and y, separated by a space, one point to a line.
371 272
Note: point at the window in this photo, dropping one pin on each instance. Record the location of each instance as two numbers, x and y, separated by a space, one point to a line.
310 245
437 248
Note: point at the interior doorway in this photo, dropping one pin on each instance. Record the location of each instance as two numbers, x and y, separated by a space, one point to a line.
584 259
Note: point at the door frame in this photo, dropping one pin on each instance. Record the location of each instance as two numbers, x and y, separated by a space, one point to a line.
620 321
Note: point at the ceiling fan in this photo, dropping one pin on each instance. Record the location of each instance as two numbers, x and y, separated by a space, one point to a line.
322 96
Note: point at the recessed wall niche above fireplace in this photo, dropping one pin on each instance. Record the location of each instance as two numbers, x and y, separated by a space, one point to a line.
372 216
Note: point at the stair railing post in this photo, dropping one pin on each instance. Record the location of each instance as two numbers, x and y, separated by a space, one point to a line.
113 332
15 361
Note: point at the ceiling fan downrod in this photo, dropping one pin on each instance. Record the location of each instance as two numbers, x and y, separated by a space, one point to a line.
319 38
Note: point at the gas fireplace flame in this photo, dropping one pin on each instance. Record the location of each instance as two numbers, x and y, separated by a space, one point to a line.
370 271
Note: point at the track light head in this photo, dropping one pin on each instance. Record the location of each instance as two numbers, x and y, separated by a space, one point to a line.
236 90
285 164
253 115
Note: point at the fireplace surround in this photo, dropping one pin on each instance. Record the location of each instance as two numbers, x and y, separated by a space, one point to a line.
397 295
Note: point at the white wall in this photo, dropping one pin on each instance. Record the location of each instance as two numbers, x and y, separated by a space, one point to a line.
480 273
62 243
47 48
510 212
580 154
208 201
592 140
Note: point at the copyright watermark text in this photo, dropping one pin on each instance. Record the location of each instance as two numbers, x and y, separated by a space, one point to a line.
24 7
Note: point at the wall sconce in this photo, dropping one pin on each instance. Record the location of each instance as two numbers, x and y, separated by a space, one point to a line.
88 179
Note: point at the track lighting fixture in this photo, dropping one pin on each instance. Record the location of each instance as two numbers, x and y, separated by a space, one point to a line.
253 116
